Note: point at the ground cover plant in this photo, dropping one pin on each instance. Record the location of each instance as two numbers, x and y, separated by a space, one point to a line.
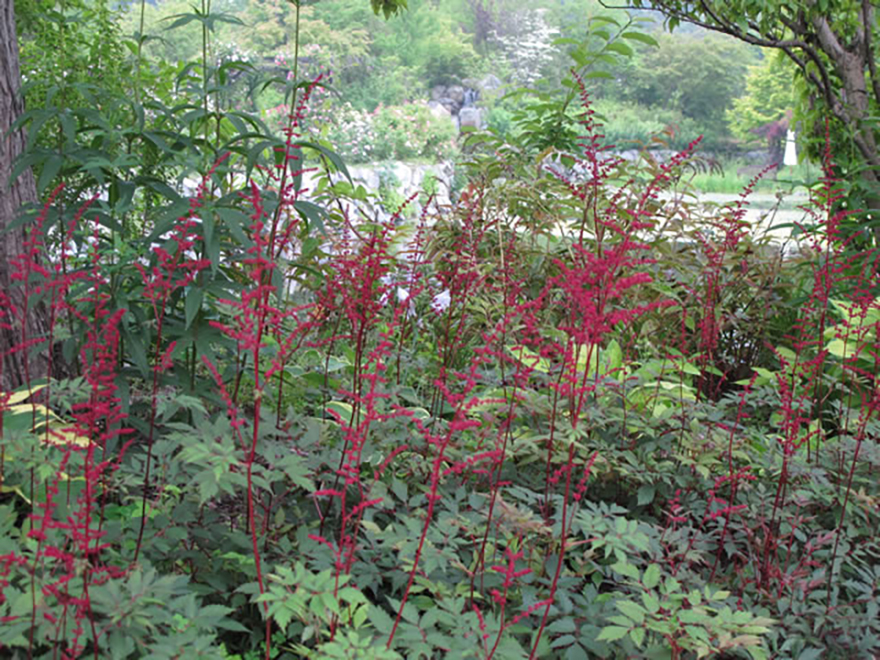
559 418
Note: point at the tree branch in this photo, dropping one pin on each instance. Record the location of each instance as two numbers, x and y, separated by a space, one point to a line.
822 85
868 21
828 40
727 28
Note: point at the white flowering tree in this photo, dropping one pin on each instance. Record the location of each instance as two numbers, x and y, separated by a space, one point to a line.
527 45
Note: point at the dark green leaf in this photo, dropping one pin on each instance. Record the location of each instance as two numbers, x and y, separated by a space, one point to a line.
620 47
640 37
193 304
235 221
332 156
50 170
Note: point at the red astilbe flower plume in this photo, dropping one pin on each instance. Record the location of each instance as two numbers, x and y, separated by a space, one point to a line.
848 278
460 395
68 552
363 276
595 291
260 313
727 231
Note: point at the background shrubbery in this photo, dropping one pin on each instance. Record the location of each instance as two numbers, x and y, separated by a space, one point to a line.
689 81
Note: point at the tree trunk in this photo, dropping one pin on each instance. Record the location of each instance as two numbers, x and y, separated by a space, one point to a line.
13 195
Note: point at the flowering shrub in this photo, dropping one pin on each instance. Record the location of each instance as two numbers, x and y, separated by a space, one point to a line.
406 132
352 132
412 131
527 44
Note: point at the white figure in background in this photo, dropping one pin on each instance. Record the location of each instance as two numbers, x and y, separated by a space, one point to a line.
790 157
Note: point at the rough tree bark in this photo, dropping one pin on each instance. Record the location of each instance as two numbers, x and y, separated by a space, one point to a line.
13 195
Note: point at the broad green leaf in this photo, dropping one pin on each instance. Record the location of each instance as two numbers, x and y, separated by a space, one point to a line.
638 636
343 409
193 304
651 578
380 619
620 47
332 156
628 570
564 625
632 610
51 167
652 603
612 633
236 222
297 471
641 37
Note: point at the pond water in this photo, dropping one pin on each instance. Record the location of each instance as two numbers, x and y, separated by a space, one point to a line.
766 212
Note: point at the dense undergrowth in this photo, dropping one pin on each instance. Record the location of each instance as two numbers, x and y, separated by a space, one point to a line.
562 418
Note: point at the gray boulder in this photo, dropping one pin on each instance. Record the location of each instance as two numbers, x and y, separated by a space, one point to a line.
470 117
490 83
456 93
450 105
438 109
